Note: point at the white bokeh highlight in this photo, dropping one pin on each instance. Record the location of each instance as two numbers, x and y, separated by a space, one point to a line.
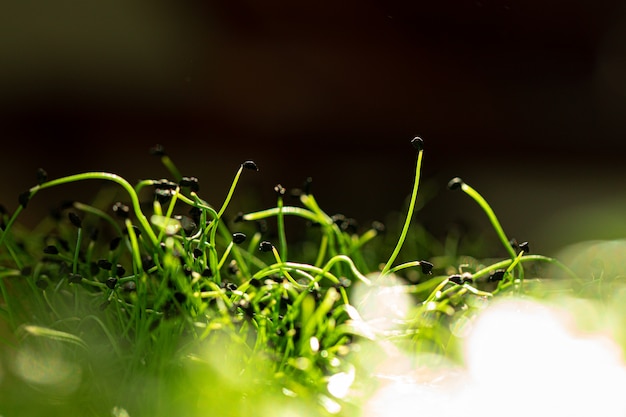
382 306
522 358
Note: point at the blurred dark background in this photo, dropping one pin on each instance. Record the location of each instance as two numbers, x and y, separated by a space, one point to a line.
525 100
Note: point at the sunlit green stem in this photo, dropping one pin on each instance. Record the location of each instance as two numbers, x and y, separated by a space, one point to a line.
107 177
284 271
526 258
222 261
171 167
353 268
405 266
170 211
231 191
492 217
282 239
286 210
132 236
409 217
294 266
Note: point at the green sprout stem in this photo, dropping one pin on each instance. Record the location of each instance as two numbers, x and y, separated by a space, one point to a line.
295 266
492 217
353 268
282 239
12 220
284 271
231 191
99 213
171 167
286 210
409 216
132 236
99 176
526 258
79 239
405 265
222 261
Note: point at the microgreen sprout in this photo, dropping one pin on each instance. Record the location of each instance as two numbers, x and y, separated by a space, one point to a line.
458 183
418 143
165 300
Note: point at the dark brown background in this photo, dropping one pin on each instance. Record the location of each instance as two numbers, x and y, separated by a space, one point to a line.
523 99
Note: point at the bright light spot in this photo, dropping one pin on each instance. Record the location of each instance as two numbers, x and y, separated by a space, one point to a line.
301 363
525 347
169 225
289 393
339 384
314 344
49 367
384 304
523 358
329 404
402 399
119 412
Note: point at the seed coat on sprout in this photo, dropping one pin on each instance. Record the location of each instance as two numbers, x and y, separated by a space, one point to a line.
239 238
74 219
418 143
497 275
456 278
455 183
427 267
111 282
265 246
191 182
115 242
23 198
250 165
51 250
104 264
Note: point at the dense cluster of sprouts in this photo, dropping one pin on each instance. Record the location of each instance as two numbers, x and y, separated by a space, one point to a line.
161 272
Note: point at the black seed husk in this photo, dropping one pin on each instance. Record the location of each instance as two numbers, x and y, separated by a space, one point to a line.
239 238
418 143
427 267
74 219
111 282
51 250
250 165
455 183
265 246
23 198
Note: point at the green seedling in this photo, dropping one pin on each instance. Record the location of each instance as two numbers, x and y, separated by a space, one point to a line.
159 306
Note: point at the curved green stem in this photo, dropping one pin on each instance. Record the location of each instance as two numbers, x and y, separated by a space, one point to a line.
492 217
409 216
526 258
286 210
107 177
353 268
